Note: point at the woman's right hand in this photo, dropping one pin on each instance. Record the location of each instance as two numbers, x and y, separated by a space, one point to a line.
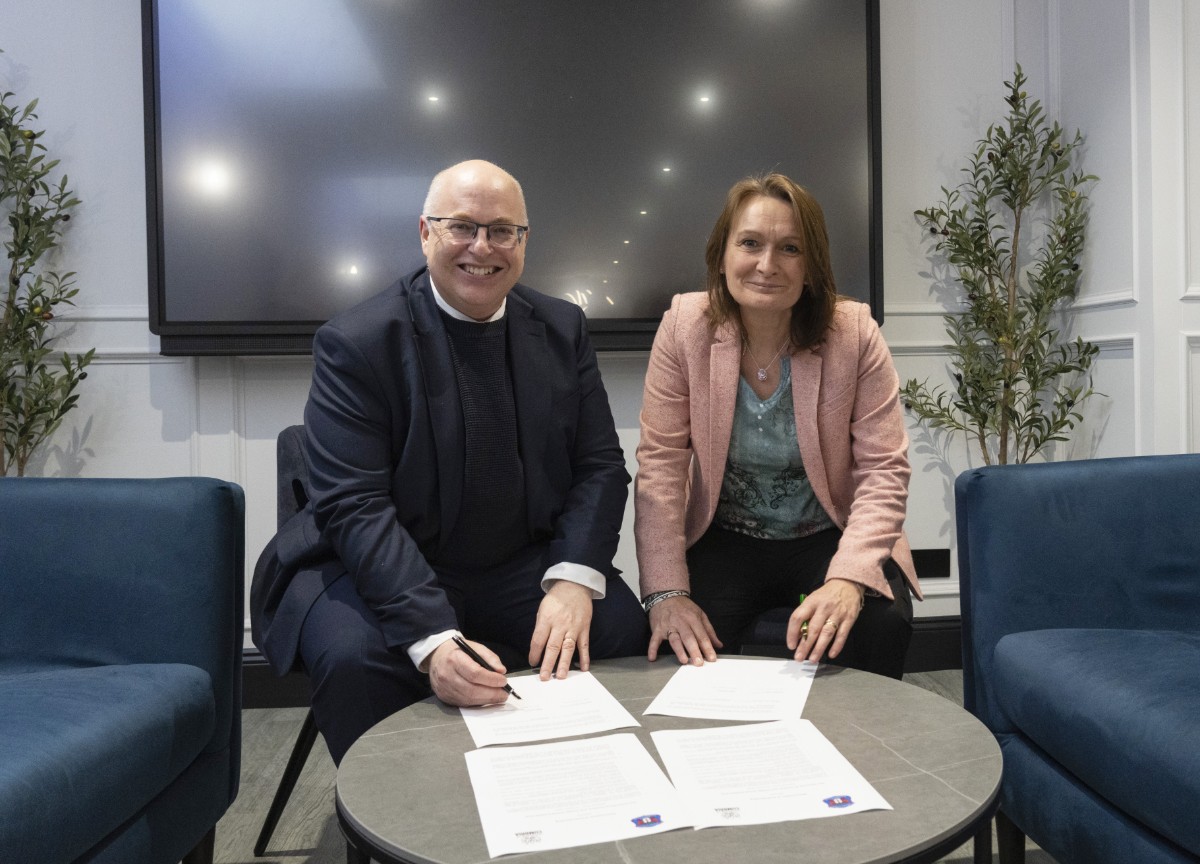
685 627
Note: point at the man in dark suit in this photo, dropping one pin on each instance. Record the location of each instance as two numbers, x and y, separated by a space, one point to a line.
465 477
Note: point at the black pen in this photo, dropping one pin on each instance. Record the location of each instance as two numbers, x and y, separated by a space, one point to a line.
474 655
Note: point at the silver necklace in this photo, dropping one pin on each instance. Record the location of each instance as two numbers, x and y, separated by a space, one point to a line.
761 374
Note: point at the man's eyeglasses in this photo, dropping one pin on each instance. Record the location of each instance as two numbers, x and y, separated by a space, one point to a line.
499 234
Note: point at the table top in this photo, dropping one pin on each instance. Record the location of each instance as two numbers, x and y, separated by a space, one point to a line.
403 791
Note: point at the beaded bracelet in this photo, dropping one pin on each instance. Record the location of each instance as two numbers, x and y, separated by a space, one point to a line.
652 600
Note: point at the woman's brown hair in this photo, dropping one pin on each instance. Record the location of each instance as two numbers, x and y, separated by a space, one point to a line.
813 312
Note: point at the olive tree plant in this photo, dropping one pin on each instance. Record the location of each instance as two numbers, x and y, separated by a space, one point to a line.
1012 234
37 383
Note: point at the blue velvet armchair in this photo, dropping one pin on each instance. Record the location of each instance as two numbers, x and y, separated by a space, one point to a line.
121 629
1081 652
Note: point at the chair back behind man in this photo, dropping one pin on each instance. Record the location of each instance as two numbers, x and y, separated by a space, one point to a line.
291 473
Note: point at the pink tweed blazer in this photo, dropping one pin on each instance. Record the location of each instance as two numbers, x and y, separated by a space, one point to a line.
848 421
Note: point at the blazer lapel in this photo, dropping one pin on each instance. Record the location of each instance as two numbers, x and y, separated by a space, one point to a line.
725 360
441 394
531 386
806 391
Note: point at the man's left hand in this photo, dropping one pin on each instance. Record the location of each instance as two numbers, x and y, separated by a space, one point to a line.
564 620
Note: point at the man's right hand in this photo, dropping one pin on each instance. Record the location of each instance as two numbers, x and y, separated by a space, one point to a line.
682 624
458 680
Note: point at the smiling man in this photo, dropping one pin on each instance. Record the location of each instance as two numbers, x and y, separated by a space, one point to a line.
466 479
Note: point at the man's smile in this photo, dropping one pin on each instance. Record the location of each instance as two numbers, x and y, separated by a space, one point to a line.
479 270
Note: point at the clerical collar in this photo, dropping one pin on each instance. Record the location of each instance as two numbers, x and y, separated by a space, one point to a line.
454 313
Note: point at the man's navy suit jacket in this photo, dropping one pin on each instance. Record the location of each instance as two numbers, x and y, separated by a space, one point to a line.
386 454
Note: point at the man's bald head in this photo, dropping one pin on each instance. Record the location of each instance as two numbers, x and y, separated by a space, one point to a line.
473 173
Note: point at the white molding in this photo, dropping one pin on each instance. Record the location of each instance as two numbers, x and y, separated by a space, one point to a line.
133 312
1135 159
1053 102
1112 340
914 348
1191 290
103 358
918 349
1109 300
942 597
1189 398
194 441
239 455
929 309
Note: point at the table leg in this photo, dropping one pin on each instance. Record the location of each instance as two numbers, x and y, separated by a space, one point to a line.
1010 839
983 843
354 855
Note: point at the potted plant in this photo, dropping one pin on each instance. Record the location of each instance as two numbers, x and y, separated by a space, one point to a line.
36 388
1012 234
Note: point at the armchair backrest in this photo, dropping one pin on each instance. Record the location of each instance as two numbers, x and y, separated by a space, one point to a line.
1100 543
107 571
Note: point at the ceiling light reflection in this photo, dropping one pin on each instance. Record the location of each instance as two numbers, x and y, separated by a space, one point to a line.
579 298
212 178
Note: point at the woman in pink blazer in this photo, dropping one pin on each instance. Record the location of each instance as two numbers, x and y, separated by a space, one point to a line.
773 467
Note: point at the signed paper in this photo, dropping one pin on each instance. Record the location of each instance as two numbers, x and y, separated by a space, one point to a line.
762 772
733 689
558 708
571 793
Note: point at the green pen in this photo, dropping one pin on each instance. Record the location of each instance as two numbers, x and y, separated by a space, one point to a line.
803 626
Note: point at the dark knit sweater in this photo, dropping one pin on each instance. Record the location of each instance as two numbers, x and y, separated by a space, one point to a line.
491 524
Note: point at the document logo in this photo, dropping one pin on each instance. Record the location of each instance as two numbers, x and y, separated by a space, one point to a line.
646 821
839 801
529 838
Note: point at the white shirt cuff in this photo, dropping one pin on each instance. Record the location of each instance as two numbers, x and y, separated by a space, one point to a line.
419 651
580 574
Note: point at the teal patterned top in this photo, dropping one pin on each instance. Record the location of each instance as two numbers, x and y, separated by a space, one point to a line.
765 492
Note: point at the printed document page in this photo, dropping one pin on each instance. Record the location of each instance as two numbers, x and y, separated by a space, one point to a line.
762 772
571 793
558 708
733 689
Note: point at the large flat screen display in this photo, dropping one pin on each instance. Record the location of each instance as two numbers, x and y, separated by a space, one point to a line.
290 144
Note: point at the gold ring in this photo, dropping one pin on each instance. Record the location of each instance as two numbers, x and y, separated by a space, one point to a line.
832 624
804 630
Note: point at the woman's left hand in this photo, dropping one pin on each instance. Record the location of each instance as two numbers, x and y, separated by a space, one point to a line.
829 613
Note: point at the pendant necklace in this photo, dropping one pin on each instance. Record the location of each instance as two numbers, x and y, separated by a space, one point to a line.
761 374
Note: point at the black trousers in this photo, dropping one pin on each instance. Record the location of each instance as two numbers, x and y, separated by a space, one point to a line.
736 579
357 680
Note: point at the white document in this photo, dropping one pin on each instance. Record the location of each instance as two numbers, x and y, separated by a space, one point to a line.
762 772
733 689
558 708
571 793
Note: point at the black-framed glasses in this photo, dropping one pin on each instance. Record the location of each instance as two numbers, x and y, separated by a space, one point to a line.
502 235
